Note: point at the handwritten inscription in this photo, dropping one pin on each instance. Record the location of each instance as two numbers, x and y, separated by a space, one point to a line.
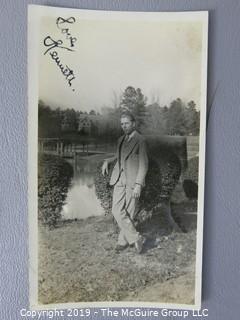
61 24
54 46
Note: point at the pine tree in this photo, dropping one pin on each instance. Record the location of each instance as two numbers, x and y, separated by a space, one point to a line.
134 101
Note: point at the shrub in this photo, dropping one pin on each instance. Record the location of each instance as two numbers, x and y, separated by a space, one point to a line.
190 179
54 176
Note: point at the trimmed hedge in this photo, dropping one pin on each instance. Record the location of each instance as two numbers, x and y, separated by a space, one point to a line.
54 177
190 179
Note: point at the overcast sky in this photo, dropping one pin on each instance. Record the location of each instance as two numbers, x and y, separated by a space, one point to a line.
161 58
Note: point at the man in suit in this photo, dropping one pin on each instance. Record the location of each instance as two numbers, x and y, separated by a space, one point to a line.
128 179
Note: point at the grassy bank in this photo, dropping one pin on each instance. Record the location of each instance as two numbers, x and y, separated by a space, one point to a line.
77 263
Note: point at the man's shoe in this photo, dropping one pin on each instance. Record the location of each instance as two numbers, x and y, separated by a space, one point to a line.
139 244
120 248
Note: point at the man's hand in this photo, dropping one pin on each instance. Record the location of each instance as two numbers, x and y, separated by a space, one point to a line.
137 191
105 168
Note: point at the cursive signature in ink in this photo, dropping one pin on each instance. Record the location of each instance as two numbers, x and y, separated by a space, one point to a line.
52 47
49 42
61 24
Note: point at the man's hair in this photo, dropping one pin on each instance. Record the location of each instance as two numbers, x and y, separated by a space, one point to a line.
129 115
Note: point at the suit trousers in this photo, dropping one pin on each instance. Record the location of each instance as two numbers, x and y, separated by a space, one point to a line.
124 209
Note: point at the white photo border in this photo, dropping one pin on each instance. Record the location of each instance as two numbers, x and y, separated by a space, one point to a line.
35 13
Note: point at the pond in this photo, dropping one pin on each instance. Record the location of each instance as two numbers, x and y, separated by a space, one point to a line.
81 201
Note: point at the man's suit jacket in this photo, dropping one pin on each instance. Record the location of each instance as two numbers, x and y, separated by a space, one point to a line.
135 161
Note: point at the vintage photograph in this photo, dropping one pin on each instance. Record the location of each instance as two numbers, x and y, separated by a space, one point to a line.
117 120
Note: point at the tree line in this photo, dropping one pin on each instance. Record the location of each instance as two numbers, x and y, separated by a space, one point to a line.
178 118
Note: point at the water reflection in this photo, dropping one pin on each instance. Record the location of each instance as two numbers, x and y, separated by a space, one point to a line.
81 199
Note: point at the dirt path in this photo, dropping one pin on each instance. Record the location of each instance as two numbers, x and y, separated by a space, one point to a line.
77 263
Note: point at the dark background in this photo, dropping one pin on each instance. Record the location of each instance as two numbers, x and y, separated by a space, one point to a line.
221 255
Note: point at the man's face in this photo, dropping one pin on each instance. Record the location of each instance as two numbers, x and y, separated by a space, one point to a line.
127 125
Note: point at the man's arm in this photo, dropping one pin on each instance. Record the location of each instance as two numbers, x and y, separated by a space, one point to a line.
109 161
142 169
106 163
143 163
